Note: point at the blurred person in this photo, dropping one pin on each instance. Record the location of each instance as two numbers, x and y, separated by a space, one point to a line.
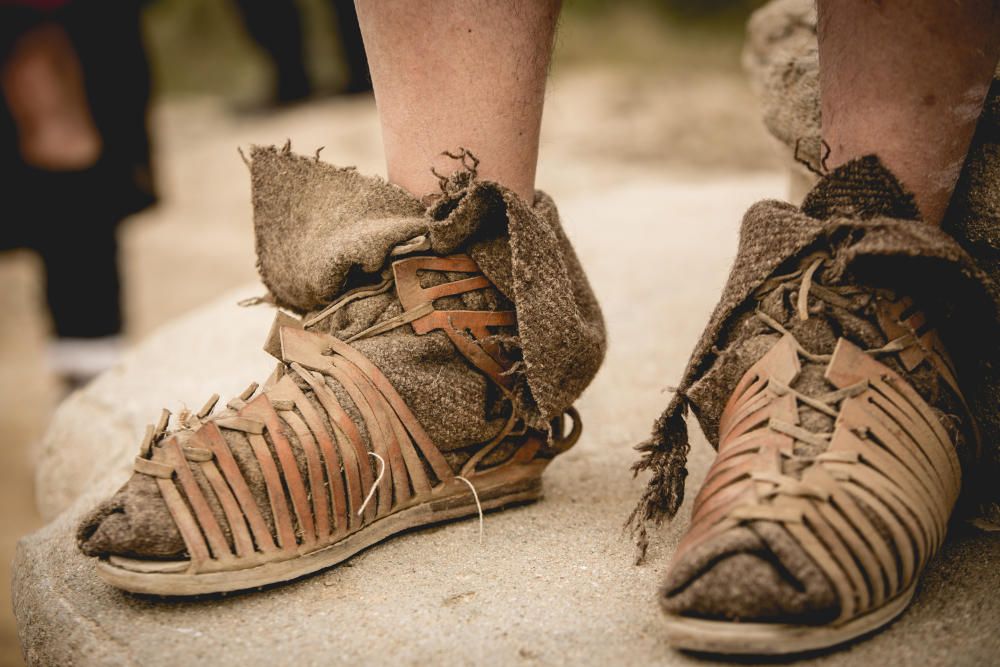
75 158
436 329
276 25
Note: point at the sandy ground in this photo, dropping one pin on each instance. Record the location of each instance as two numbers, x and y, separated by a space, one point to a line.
603 128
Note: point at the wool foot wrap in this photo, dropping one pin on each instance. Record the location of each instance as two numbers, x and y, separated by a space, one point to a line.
781 59
844 432
409 390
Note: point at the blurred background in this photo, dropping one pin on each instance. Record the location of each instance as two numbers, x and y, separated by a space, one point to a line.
125 203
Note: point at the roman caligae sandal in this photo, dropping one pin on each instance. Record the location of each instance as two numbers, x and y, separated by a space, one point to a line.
350 440
782 61
841 425
869 510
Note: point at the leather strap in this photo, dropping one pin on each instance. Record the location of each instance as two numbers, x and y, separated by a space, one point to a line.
314 461
331 451
872 509
469 330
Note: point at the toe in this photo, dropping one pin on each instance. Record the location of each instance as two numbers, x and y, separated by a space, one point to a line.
134 522
747 574
90 538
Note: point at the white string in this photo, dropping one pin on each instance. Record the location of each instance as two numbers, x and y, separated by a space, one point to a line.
371 492
479 507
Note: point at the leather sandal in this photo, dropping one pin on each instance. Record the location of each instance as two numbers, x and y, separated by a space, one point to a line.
341 505
829 381
866 499
401 402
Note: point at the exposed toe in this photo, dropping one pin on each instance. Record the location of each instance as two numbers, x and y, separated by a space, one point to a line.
756 573
134 522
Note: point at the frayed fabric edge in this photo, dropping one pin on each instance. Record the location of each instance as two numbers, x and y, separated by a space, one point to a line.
848 239
665 455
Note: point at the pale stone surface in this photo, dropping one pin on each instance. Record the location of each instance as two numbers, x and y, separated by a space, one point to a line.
553 583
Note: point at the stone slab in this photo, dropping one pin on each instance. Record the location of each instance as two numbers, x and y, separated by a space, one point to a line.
552 583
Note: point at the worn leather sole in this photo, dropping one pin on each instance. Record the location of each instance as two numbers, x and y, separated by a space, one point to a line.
496 489
734 638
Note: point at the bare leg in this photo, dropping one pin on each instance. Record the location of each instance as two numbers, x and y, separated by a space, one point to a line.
277 27
453 73
906 81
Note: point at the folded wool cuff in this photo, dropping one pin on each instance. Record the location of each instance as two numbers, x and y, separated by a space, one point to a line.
322 230
869 226
782 61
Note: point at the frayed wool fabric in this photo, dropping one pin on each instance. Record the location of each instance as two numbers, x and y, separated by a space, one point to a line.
861 217
324 232
782 61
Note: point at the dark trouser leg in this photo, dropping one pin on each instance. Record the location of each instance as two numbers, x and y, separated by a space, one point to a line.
352 47
83 285
277 27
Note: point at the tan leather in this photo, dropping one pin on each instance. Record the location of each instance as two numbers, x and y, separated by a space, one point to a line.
482 352
311 509
888 460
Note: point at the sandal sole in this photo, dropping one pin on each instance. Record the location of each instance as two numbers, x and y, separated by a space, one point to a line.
128 574
733 638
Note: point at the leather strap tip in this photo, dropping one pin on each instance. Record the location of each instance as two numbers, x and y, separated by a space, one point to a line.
152 468
241 424
198 454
